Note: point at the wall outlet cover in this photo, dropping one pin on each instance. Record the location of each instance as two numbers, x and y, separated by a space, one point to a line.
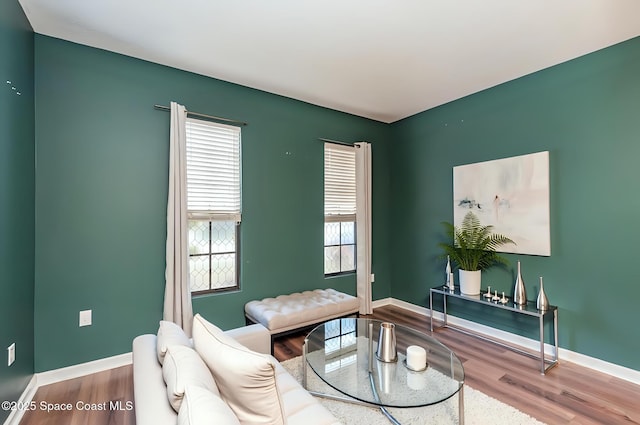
85 318
11 354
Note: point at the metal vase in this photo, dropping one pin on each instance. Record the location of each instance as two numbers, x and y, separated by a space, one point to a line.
447 272
519 292
387 343
542 303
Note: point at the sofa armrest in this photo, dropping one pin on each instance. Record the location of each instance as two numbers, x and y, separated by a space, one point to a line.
151 403
254 337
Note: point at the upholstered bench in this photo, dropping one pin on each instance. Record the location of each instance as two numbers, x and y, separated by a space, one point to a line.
288 313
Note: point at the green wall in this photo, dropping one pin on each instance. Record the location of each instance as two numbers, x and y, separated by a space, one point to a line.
102 155
586 113
16 200
101 184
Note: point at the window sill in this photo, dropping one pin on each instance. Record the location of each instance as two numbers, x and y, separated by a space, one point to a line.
343 274
215 293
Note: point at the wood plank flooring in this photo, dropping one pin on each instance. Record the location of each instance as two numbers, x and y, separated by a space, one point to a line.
104 398
568 394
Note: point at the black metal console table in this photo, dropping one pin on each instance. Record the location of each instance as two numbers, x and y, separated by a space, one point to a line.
529 309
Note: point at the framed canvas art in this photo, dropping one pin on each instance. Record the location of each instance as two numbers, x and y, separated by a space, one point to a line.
511 194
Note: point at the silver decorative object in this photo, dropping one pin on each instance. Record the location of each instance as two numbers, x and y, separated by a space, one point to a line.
447 272
542 303
519 292
488 293
495 296
387 343
504 299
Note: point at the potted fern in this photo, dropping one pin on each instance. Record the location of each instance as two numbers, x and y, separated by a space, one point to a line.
473 248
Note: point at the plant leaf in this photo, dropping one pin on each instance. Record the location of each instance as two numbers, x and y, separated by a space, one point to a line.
473 245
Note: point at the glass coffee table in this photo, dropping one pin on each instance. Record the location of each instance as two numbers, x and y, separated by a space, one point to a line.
342 352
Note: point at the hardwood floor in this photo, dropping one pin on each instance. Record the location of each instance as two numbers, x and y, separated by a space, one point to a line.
104 398
568 394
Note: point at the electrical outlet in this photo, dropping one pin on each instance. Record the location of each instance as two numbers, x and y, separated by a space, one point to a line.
11 354
85 318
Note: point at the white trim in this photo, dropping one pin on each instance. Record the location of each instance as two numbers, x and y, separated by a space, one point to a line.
15 416
82 369
603 366
382 302
599 365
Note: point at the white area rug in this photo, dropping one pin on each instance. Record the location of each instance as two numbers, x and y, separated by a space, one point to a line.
479 408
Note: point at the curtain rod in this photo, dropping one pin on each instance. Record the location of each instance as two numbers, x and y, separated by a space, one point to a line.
337 142
196 114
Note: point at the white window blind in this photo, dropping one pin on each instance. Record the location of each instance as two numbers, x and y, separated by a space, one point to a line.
339 182
213 171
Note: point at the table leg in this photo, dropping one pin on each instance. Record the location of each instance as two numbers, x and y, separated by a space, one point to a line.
383 409
304 364
542 344
431 308
444 308
461 405
555 332
370 337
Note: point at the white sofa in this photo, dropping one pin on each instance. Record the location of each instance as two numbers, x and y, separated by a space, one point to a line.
152 404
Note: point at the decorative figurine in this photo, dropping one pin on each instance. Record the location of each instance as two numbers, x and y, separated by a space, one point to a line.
488 293
504 299
495 296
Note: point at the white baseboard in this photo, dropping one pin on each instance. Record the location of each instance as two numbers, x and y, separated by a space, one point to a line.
16 415
82 369
382 302
599 365
62 374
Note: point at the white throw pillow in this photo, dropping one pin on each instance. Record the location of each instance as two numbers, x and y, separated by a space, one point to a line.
202 407
182 367
246 379
170 334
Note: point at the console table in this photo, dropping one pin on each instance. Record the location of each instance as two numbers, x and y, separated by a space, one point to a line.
529 310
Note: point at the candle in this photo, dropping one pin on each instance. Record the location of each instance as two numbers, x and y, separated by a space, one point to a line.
416 357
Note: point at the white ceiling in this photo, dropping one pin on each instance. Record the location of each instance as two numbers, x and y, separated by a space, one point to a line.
380 59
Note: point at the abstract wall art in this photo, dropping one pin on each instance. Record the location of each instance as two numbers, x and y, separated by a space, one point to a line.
511 194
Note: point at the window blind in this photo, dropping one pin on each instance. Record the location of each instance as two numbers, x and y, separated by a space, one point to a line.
213 171
339 182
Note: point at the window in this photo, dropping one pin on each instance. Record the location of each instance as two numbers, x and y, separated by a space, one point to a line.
213 205
339 209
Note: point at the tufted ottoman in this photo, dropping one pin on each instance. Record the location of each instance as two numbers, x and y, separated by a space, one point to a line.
287 313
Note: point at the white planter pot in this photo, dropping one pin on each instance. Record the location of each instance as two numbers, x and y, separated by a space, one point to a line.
470 281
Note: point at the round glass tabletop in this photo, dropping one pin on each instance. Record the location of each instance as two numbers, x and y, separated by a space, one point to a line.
342 352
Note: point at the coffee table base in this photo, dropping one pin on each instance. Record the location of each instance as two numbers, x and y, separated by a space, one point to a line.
389 416
383 409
